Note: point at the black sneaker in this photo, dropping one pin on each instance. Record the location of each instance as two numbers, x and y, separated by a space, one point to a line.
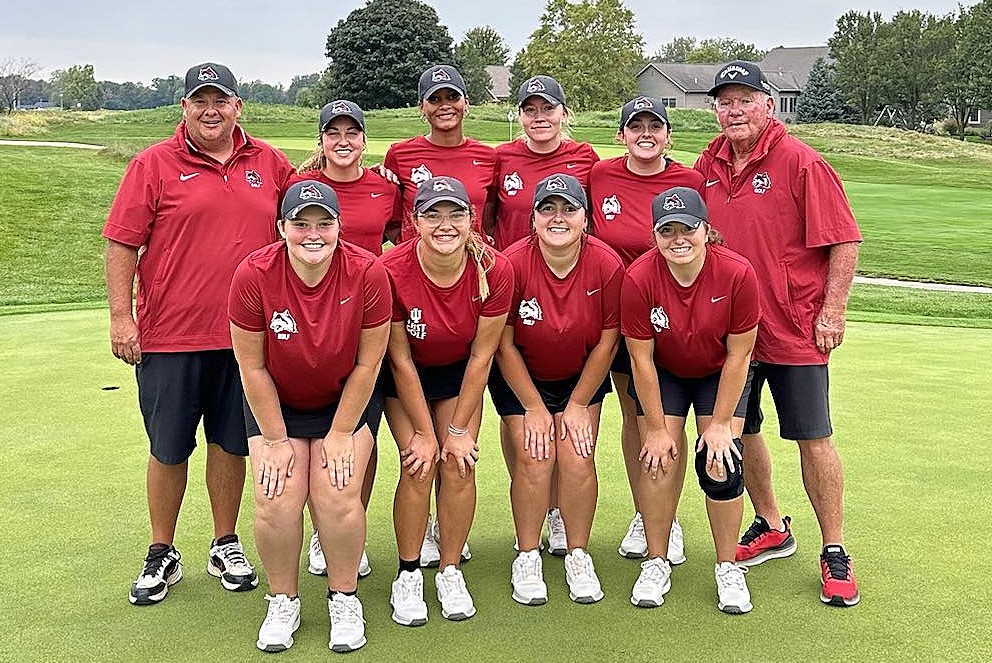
162 570
228 562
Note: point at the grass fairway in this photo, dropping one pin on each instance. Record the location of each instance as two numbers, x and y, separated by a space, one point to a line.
905 408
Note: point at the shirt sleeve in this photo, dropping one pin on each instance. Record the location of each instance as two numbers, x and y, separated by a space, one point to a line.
825 208
244 306
611 296
135 206
500 279
745 309
635 311
377 295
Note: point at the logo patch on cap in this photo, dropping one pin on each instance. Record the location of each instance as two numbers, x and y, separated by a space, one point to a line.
673 202
535 85
642 102
340 107
733 71
440 75
556 184
311 192
207 74
443 185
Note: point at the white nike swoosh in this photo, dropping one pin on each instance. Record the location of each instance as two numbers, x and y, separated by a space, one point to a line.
183 176
375 195
476 162
714 300
710 183
571 165
344 301
590 293
477 298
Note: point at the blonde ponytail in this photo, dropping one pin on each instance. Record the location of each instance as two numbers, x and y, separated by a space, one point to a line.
484 259
316 161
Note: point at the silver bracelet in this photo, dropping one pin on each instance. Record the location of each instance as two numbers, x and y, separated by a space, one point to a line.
456 432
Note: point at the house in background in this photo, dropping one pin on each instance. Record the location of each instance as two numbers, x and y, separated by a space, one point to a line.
499 82
681 85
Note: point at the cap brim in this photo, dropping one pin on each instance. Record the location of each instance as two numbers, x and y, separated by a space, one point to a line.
715 88
292 214
430 202
226 90
543 95
440 86
561 194
685 219
323 127
649 111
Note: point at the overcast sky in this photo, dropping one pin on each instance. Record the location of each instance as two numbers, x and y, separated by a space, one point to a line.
272 41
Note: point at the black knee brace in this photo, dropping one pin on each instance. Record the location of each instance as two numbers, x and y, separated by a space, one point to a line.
730 488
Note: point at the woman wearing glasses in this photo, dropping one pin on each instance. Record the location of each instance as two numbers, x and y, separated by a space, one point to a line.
554 359
451 294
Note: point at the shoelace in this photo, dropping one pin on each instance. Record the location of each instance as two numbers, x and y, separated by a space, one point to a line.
732 576
411 586
529 567
756 529
155 563
654 569
233 555
280 609
556 525
345 610
453 584
838 565
581 565
637 527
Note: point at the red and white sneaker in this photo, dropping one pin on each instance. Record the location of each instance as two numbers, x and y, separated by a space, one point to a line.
837 575
761 543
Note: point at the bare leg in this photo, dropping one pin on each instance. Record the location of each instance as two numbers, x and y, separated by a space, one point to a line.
225 476
658 498
455 495
166 485
579 488
413 495
725 522
758 480
530 487
823 478
630 439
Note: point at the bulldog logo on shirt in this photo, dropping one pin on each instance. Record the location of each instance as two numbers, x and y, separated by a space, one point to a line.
761 183
414 327
512 184
283 324
530 311
420 174
659 319
253 178
611 207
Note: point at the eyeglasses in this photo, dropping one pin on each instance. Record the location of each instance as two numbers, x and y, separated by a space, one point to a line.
304 226
434 219
566 211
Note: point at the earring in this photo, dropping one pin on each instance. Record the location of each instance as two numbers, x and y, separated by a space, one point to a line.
423 118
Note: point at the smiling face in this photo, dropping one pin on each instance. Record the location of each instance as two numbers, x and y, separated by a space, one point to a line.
311 237
558 223
343 142
743 114
444 227
211 116
541 120
444 109
679 244
646 137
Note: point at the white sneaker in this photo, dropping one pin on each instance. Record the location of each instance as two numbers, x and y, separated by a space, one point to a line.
281 621
456 602
676 544
634 545
407 599
228 562
527 578
653 583
364 568
580 574
347 623
430 554
732 589
557 543
434 530
317 564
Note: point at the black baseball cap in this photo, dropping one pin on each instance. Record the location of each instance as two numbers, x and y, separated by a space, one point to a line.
559 184
680 204
643 105
440 189
543 86
210 74
306 193
337 109
439 77
741 72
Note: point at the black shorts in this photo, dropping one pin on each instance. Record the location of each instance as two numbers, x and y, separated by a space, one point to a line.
621 360
802 400
677 394
554 393
438 382
301 423
376 402
177 389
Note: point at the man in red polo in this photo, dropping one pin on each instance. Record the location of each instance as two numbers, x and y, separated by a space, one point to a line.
779 204
188 210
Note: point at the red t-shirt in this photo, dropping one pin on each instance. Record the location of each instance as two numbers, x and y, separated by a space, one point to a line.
519 169
783 212
367 205
195 219
621 203
558 321
311 333
441 322
690 325
416 160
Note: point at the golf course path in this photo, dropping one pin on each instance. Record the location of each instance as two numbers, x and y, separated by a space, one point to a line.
48 143
920 285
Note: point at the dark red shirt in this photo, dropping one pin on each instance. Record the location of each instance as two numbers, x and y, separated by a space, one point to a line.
690 325
311 333
519 169
416 160
195 219
367 205
441 322
621 203
558 321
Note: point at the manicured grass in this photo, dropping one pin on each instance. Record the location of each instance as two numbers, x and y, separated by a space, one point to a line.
76 528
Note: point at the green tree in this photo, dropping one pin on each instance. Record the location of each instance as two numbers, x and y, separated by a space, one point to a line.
963 63
480 47
379 51
78 87
821 100
856 54
299 89
590 47
723 49
262 92
167 91
909 46
677 50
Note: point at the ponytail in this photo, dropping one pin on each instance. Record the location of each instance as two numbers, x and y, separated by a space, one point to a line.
316 161
484 259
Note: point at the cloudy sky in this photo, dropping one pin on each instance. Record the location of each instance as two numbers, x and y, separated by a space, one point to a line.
273 41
